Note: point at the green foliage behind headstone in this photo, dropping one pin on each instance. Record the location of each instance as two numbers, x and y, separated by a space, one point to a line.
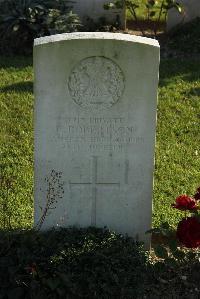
23 20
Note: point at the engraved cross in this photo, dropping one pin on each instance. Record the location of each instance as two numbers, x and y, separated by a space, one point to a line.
94 185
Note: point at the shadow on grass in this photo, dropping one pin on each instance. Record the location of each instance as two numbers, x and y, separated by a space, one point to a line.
18 87
187 69
195 91
16 61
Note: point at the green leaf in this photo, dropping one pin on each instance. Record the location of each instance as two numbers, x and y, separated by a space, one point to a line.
52 283
173 245
108 6
171 262
16 27
41 7
165 225
161 252
119 4
178 254
178 7
191 255
152 13
151 3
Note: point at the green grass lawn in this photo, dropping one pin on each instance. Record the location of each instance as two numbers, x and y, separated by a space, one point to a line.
16 139
177 147
178 136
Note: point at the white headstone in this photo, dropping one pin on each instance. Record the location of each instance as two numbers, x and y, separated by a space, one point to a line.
95 122
191 11
94 9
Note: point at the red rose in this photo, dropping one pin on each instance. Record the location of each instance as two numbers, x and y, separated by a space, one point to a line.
188 232
184 202
197 194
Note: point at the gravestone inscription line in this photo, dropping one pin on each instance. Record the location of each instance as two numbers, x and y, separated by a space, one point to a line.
94 185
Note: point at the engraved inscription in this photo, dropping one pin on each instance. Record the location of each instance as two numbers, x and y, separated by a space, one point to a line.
97 133
96 82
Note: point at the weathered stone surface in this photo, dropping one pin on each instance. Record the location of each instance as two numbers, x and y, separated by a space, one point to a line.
95 121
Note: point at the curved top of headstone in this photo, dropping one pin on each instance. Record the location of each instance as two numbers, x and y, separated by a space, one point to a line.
96 35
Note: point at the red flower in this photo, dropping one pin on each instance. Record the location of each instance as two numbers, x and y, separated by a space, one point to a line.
197 194
184 202
188 232
31 269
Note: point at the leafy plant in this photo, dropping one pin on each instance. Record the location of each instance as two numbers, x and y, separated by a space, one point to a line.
54 192
23 20
70 263
151 7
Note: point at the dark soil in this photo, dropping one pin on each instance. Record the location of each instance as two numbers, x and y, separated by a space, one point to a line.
181 42
167 282
146 25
